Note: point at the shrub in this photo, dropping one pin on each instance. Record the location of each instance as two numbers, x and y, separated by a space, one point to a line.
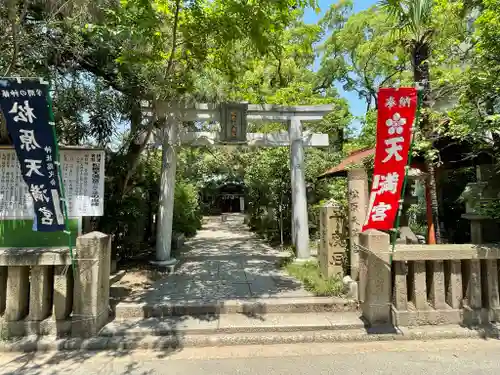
187 214
310 275
129 218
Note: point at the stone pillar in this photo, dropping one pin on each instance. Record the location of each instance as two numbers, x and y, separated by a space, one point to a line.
474 295
167 188
454 287
332 245
63 293
492 288
437 292
376 306
476 231
419 285
91 284
473 298
299 197
40 302
357 194
18 293
400 289
292 182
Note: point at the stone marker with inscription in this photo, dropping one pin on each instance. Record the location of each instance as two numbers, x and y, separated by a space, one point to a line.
332 245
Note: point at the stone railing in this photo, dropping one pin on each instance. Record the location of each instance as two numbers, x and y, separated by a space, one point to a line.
428 284
40 296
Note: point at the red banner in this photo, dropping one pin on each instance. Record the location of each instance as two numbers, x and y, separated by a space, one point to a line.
396 113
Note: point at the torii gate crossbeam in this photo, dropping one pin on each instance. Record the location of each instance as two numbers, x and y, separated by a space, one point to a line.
295 138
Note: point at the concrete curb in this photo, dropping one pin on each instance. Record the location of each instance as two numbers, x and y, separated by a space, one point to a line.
127 310
178 342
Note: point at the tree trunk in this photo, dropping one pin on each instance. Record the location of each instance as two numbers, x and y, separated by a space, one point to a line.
420 55
135 147
434 200
4 134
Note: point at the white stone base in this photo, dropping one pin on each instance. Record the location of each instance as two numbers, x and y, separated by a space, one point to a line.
169 264
305 260
164 263
350 288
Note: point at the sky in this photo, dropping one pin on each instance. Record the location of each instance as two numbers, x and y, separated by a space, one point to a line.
357 106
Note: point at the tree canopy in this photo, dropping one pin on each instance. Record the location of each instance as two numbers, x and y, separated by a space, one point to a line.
102 57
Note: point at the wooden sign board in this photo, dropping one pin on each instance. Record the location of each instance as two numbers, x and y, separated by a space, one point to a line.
233 121
83 176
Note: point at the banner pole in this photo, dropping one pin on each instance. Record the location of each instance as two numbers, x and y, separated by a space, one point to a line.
61 182
405 181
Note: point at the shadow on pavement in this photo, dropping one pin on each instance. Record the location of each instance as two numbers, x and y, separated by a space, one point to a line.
224 262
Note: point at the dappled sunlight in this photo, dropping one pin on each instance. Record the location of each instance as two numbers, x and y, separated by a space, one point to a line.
225 261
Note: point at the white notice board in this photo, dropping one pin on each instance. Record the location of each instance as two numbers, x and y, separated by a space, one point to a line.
83 177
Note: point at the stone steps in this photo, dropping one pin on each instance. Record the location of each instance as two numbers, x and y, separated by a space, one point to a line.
180 326
162 344
338 334
233 329
224 339
133 310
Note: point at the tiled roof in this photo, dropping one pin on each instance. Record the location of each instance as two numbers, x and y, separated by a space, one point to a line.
354 157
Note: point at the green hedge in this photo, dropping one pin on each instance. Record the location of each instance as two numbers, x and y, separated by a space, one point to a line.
187 214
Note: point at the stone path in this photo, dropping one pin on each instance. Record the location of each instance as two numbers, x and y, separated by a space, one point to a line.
225 261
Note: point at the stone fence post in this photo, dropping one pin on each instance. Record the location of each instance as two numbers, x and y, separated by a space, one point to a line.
375 277
91 286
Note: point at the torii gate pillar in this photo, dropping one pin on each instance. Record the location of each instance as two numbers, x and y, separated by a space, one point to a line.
300 226
166 199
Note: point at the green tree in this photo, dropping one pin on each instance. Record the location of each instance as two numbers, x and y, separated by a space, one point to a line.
359 52
475 117
103 57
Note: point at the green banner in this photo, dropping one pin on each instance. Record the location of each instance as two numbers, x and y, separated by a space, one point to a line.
19 233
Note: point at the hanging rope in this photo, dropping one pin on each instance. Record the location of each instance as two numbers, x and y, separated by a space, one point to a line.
405 181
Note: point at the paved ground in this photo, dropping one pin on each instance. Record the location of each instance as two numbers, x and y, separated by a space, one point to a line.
225 261
451 357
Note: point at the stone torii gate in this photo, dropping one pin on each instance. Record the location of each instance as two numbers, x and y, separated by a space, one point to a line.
233 119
